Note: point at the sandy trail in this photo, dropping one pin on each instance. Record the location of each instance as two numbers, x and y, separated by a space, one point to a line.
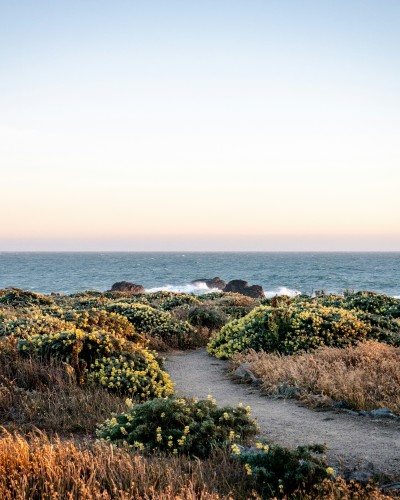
353 441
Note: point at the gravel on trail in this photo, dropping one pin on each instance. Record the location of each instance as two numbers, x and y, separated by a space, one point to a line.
354 442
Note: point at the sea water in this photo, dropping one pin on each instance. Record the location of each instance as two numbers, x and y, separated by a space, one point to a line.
277 272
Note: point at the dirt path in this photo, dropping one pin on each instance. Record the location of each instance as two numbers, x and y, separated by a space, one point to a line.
353 441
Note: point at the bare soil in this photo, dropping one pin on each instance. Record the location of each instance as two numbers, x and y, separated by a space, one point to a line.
354 442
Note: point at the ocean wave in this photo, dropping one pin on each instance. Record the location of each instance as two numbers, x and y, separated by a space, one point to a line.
281 290
200 288
197 288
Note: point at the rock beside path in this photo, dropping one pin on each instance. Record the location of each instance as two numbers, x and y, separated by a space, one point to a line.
127 287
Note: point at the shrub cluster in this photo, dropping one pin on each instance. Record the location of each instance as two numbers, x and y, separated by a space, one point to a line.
300 326
279 471
369 302
180 426
116 364
157 323
23 298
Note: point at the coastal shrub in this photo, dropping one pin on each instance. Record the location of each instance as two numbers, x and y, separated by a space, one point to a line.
289 329
235 305
103 321
207 316
116 364
177 300
158 323
26 325
137 374
279 471
368 302
180 426
23 298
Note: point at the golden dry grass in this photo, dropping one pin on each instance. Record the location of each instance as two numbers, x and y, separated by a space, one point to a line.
37 468
365 377
46 396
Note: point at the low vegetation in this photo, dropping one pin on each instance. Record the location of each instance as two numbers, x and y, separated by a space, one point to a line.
362 377
305 324
88 412
180 426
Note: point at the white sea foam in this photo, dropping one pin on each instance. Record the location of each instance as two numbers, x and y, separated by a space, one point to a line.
281 290
200 288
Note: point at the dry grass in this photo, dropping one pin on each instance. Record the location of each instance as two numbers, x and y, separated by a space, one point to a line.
365 377
46 396
40 469
36 468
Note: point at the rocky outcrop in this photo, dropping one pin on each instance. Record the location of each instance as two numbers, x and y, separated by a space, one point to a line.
211 283
127 287
242 287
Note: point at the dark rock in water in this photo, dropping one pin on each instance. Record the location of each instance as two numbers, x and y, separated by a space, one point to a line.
127 287
211 283
242 287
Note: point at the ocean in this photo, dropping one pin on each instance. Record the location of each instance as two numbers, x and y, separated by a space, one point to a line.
277 272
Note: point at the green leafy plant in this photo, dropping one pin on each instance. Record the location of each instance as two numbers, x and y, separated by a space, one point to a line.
180 426
158 323
279 471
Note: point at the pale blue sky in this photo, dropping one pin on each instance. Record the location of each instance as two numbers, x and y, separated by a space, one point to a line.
244 125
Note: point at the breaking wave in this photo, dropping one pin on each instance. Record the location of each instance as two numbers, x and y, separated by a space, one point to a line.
200 288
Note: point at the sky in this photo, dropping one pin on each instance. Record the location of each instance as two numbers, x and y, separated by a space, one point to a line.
188 125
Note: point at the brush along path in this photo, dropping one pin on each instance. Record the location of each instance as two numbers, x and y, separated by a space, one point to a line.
353 441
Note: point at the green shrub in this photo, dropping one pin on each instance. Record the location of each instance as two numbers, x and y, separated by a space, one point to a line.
177 300
115 363
161 324
207 316
279 471
180 426
368 302
23 298
300 326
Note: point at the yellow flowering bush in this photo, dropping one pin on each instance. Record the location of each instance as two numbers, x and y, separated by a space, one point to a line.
179 426
297 327
179 299
138 375
369 302
115 363
34 323
104 321
157 323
